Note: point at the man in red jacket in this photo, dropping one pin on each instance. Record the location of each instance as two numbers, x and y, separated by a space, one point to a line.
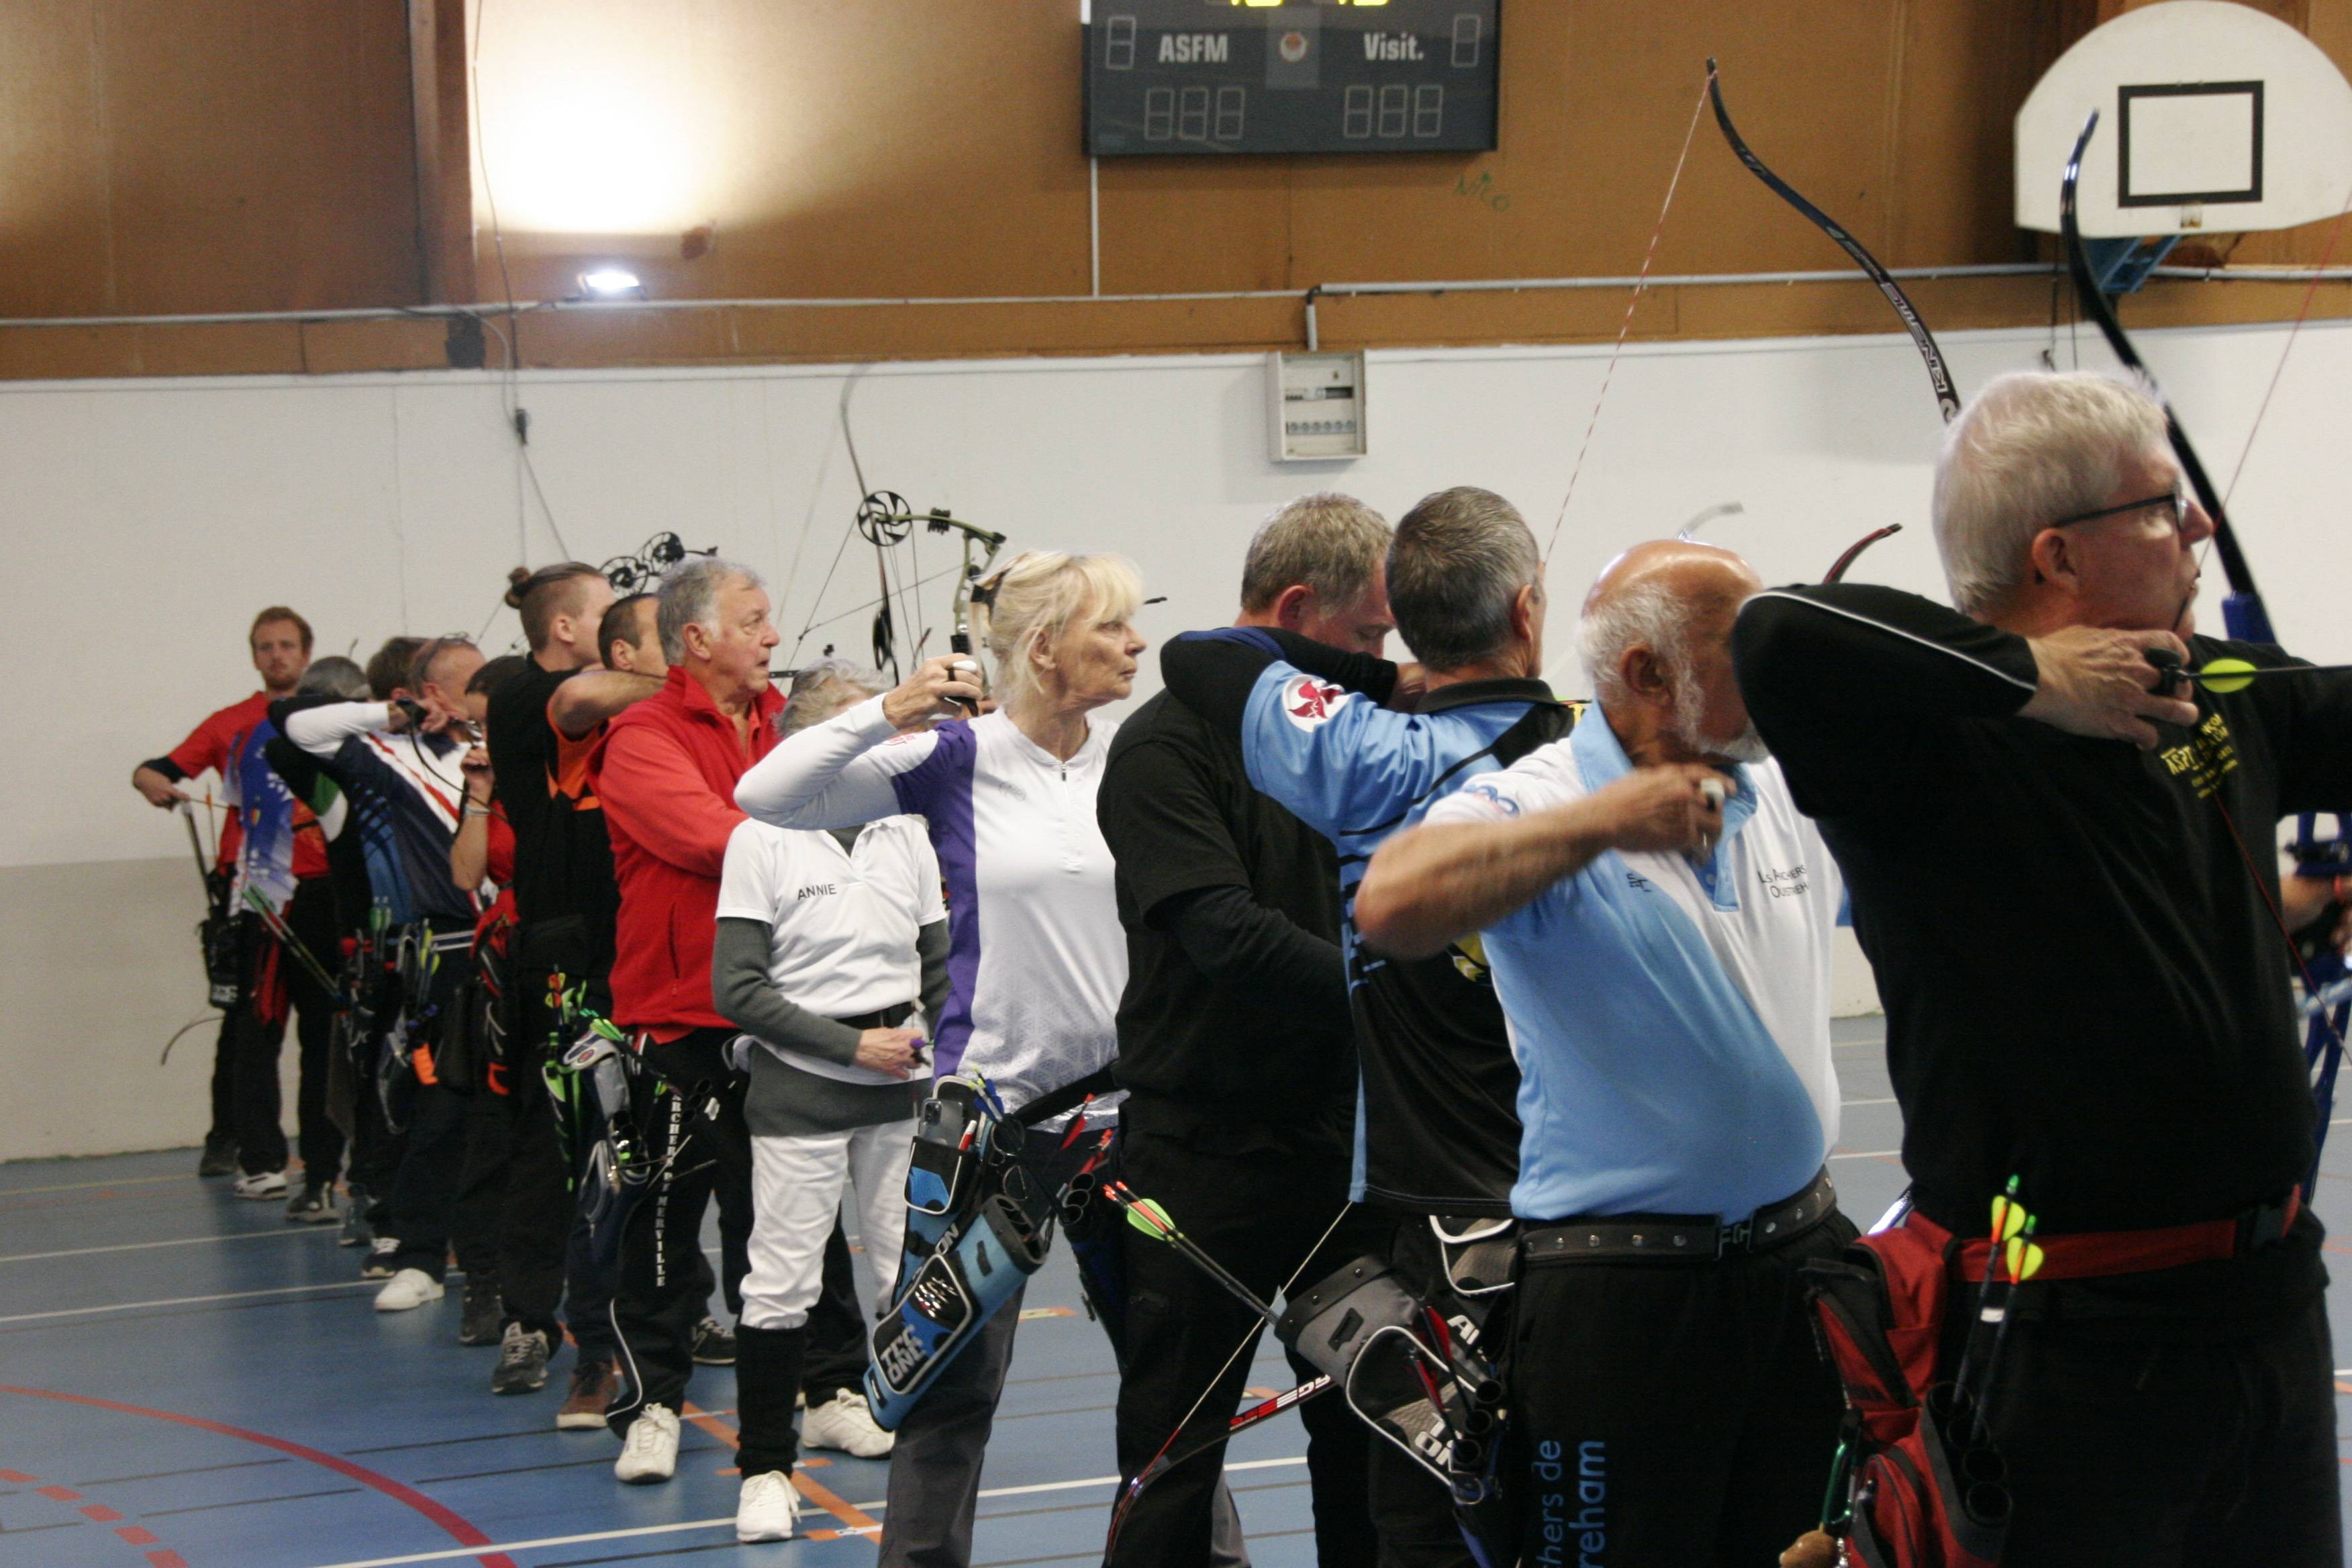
665 772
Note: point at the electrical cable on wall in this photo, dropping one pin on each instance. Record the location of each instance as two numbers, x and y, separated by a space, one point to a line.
518 417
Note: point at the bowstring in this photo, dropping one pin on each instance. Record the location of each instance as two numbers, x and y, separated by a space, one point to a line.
2327 253
1641 284
1136 1489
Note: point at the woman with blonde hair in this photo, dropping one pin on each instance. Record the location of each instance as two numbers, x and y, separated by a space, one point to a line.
1036 957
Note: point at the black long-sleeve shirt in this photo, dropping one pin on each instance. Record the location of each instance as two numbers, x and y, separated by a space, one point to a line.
1237 1000
2083 986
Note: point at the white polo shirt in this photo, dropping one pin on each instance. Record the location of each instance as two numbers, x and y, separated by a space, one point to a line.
842 921
1670 1013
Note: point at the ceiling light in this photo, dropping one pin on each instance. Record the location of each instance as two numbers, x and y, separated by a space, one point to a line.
610 283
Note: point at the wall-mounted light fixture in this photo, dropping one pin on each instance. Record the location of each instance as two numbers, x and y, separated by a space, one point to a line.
610 283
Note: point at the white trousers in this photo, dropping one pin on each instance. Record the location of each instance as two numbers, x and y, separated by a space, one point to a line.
796 1191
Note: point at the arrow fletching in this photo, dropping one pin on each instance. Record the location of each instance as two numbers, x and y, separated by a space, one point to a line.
1146 1215
2023 1258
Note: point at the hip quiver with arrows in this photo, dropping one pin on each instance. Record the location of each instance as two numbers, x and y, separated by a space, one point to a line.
1917 1484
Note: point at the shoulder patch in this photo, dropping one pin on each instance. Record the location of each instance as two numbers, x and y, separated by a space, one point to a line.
1309 703
1495 798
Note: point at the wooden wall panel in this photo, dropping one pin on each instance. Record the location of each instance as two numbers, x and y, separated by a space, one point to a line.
55 247
166 156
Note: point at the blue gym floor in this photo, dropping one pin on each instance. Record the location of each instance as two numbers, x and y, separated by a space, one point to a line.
188 1381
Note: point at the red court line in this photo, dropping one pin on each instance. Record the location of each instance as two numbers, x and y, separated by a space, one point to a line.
460 1529
131 1534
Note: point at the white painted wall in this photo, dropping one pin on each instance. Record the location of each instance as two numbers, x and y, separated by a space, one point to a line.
146 520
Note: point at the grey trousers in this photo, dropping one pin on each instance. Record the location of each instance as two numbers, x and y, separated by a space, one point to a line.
935 1467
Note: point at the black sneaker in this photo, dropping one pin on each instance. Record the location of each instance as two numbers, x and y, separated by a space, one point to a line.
713 1346
522 1361
312 1205
356 1231
219 1158
378 1258
482 1320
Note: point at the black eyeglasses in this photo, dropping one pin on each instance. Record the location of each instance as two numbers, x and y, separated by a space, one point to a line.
2175 499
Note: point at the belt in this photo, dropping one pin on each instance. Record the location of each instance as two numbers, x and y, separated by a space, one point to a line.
1682 1239
2097 1254
889 1018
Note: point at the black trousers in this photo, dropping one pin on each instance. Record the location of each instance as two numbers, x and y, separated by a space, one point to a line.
376 1149
424 1211
224 1080
2142 1453
664 1284
544 1257
254 1032
535 1226
1670 1414
1256 1199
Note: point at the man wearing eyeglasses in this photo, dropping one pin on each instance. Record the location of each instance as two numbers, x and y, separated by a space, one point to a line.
2062 873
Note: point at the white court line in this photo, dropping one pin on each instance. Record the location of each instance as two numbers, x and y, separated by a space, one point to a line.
191 1301
184 1241
448 1553
1887 1099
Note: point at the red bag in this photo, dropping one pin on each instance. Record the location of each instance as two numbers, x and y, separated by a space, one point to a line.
1926 1487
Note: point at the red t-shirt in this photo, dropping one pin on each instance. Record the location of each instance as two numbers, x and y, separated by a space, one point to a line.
216 744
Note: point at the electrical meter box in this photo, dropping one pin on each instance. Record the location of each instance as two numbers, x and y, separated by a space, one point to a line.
1315 404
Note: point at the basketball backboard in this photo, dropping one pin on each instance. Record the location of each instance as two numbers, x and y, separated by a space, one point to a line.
2212 116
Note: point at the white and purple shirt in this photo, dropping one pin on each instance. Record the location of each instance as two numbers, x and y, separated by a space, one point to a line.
1036 957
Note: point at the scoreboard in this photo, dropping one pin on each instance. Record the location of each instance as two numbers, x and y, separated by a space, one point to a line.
1195 77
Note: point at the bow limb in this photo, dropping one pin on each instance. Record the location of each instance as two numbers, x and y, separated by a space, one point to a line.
1939 377
2242 611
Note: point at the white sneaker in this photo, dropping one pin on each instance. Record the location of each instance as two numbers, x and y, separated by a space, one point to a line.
261 1185
409 1289
767 1508
844 1422
649 1453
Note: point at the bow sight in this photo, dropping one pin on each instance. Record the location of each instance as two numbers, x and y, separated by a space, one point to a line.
642 572
883 519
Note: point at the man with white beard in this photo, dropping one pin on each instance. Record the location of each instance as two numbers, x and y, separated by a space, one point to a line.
1658 918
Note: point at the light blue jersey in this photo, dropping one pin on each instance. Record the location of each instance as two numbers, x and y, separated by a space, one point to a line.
1670 1014
1436 1132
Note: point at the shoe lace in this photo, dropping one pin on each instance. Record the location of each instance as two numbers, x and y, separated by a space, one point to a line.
517 1349
646 1431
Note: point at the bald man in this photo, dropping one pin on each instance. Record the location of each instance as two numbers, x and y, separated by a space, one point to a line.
1658 916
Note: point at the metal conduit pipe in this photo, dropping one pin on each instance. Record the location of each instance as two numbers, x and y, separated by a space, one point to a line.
1490 285
492 308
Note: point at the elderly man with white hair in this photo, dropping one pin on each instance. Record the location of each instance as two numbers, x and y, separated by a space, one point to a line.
665 772
2061 872
1658 917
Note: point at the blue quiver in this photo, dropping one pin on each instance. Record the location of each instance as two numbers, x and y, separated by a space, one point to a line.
976 1230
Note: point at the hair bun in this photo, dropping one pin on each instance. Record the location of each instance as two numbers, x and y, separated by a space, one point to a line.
515 581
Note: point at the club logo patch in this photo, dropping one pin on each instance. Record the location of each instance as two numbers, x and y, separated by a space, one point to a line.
1309 703
1495 798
